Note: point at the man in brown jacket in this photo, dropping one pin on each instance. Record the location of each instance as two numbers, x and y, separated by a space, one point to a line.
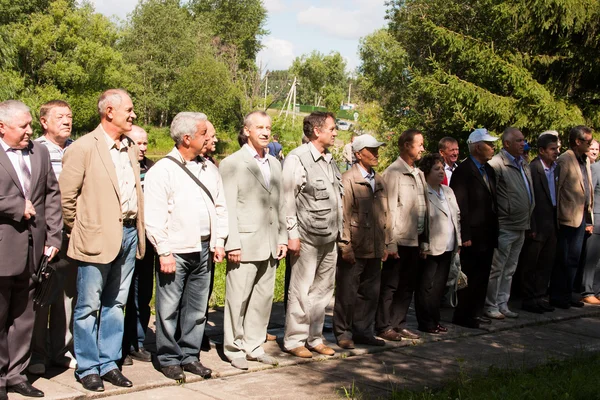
362 247
103 211
574 205
407 202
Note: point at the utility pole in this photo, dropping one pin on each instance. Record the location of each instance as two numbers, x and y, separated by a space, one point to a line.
266 87
349 91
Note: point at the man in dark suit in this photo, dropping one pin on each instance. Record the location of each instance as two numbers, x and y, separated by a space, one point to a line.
590 285
30 225
474 184
537 257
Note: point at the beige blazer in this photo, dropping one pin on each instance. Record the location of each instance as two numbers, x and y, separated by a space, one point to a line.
257 222
438 221
91 200
570 200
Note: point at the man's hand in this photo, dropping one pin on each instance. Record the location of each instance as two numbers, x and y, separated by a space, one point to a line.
281 251
50 251
219 254
467 243
234 256
294 247
348 255
589 229
29 210
385 256
394 255
167 264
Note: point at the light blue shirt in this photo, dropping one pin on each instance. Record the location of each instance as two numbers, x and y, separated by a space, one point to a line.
369 176
549 171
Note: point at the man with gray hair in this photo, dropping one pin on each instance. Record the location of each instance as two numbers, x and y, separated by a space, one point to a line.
515 199
104 214
187 219
31 223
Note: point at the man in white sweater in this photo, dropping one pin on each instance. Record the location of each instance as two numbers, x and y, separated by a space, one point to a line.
188 219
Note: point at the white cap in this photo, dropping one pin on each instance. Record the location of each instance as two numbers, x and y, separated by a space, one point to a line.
549 133
366 140
481 135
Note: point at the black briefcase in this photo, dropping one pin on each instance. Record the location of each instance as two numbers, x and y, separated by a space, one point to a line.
46 280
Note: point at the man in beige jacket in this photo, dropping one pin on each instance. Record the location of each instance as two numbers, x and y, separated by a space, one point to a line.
103 211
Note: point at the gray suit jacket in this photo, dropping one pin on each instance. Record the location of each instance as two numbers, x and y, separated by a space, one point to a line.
256 217
45 227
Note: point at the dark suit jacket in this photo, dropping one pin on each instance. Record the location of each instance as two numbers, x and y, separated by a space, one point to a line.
543 220
45 227
595 167
478 215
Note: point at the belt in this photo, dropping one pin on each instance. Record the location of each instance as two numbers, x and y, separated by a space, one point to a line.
205 238
130 222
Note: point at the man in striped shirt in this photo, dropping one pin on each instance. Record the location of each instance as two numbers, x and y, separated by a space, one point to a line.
54 321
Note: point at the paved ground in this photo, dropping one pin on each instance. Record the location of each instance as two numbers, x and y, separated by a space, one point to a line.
374 371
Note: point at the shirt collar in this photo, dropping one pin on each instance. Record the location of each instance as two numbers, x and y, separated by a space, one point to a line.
364 173
6 147
316 154
552 167
450 167
408 167
514 160
477 163
111 143
255 154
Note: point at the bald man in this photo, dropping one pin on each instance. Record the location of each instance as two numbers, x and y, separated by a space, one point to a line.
137 314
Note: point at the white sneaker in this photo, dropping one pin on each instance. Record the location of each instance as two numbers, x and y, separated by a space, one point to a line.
510 314
37 369
494 314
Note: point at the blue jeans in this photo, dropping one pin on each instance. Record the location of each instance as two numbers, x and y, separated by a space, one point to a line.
569 246
98 316
181 303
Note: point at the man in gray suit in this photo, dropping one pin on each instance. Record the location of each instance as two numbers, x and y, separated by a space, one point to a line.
257 241
590 282
30 225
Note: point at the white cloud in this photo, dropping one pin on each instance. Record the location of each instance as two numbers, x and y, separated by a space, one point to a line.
273 6
344 23
276 54
119 8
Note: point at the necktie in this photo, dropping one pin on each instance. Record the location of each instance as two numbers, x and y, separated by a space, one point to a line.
25 173
485 177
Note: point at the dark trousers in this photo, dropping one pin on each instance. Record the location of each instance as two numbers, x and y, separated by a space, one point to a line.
16 324
568 253
536 263
137 310
590 281
476 266
433 275
288 278
398 281
356 295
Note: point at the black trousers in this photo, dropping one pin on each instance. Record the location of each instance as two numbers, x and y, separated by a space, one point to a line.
536 263
137 309
356 295
568 254
398 281
433 275
476 265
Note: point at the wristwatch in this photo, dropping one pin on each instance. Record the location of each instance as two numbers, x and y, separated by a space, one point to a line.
167 254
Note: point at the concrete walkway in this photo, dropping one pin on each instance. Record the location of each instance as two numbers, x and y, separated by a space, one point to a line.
373 371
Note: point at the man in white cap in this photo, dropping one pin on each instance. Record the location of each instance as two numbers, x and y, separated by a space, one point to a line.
362 245
474 184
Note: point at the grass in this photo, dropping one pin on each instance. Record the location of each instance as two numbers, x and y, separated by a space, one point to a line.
572 379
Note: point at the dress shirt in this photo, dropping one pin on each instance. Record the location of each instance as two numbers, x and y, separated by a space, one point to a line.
369 176
295 174
14 160
125 175
549 171
582 161
448 170
56 153
450 230
518 162
176 207
262 162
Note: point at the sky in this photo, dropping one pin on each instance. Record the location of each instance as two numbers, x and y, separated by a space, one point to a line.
298 27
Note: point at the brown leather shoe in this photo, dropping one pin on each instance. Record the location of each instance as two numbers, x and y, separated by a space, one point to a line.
406 334
346 343
322 349
270 338
592 300
301 352
391 335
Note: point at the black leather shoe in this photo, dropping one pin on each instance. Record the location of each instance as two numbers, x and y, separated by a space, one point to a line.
173 372
3 395
483 320
91 382
141 355
532 308
197 368
127 361
565 305
577 304
546 307
115 377
369 341
25 389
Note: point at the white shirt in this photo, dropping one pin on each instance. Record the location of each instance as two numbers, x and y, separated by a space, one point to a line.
449 170
14 160
176 208
262 162
125 175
